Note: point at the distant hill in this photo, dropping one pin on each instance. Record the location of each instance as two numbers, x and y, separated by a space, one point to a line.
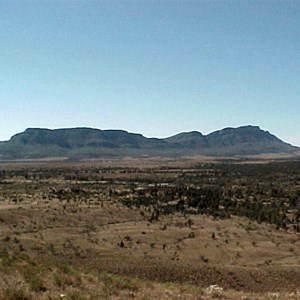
79 143
188 140
247 140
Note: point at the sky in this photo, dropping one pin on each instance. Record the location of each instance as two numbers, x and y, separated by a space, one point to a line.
152 67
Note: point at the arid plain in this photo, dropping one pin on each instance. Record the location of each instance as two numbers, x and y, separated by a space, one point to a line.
150 229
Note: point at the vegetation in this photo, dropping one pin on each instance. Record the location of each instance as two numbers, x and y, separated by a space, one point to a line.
79 143
130 229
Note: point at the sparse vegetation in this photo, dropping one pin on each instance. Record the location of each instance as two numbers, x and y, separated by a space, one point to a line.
118 229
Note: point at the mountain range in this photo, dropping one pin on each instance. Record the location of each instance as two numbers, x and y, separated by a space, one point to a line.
80 143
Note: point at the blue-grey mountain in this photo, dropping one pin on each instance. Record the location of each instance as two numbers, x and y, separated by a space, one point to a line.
79 143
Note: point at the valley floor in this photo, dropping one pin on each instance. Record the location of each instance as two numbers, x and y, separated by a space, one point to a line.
64 240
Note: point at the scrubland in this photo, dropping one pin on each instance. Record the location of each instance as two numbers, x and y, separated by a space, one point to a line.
150 230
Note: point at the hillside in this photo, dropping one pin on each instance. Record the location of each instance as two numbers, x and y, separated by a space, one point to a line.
78 143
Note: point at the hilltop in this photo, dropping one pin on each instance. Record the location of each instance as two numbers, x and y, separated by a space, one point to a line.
80 143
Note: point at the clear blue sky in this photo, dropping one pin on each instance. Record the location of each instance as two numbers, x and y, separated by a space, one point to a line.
153 67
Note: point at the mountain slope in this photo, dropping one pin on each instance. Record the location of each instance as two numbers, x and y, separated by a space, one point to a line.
188 140
246 140
83 142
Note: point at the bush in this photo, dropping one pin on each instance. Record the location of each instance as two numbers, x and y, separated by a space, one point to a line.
15 294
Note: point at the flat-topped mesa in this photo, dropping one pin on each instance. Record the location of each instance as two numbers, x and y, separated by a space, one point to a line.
84 142
76 137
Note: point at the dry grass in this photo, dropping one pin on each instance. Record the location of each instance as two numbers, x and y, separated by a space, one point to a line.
93 247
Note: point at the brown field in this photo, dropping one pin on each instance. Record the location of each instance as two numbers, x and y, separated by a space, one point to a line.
103 230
